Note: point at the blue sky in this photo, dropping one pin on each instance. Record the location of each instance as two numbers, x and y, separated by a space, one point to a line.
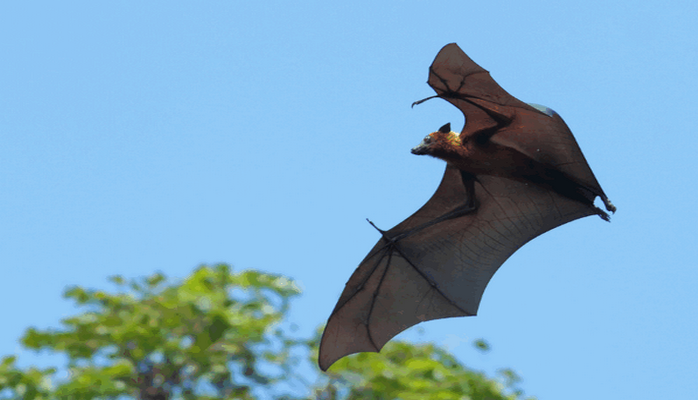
137 137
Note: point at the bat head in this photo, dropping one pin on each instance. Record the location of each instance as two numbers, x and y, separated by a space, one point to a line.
438 143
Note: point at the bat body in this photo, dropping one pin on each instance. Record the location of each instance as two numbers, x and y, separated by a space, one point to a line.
514 172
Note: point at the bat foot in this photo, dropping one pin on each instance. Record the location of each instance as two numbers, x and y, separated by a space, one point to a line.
603 214
609 206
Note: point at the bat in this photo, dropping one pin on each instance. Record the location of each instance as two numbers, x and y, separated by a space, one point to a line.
513 173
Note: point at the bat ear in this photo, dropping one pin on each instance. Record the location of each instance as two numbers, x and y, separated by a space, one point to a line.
446 128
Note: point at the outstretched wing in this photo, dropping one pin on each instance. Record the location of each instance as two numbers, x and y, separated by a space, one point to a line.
440 271
507 121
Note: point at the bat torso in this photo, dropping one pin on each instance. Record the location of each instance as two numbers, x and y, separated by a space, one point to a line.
482 153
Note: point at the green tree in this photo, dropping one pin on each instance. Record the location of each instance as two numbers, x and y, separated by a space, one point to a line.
216 335
406 371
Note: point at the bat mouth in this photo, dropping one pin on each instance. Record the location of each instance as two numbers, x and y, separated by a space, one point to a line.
420 150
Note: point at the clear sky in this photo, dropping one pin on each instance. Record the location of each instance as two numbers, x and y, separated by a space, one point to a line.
145 136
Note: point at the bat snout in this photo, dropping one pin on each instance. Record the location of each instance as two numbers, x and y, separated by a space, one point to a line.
423 146
420 149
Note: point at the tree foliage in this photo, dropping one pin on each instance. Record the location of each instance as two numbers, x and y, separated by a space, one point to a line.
216 335
411 372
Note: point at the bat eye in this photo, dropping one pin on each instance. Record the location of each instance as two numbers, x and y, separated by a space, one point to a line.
427 139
